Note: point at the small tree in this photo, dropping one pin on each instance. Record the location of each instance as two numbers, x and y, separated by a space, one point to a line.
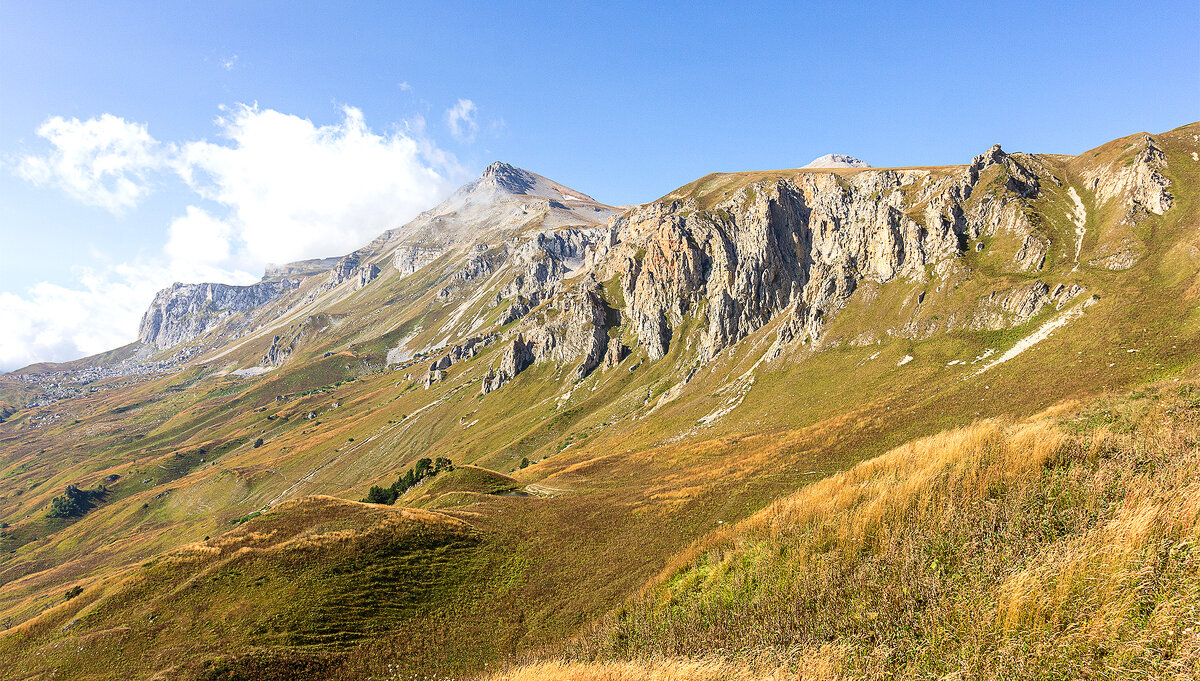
73 592
258 443
381 495
74 502
524 462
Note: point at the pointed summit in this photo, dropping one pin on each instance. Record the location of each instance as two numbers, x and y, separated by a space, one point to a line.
503 201
509 179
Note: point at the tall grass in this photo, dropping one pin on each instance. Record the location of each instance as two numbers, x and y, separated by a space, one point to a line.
1040 549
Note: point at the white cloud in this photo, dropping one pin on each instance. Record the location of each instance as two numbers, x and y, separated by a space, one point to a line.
281 189
52 322
229 63
460 118
296 190
102 161
101 312
198 237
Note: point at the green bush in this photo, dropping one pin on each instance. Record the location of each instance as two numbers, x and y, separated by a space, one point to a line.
381 495
74 502
425 468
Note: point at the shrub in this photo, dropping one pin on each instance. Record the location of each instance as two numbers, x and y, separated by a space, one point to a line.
381 495
425 468
74 502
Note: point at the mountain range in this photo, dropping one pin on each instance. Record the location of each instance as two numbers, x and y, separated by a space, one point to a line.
659 423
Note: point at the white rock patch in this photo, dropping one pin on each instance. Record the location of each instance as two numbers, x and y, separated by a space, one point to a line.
1079 217
1038 336
252 371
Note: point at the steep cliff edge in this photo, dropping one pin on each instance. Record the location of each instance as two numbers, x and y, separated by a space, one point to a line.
735 253
186 311
728 254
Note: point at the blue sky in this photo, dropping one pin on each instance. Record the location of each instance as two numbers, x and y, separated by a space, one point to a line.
248 132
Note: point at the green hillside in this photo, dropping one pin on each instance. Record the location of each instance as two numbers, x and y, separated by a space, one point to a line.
945 464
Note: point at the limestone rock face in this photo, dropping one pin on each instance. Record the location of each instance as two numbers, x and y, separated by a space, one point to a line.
277 353
1138 180
185 311
366 274
770 246
1019 179
579 334
615 353
408 259
802 246
543 262
350 268
515 359
434 376
481 264
1003 309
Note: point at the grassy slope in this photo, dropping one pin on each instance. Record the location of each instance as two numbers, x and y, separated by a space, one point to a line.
630 470
1061 546
301 587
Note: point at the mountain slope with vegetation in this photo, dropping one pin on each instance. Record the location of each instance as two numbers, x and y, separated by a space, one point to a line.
611 386
1058 547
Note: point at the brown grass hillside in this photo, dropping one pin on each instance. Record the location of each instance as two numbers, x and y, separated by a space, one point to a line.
1058 547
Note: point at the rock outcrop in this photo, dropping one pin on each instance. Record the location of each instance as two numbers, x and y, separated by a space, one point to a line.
186 311
543 262
801 246
408 259
1136 177
277 352
515 358
350 268
1004 309
576 334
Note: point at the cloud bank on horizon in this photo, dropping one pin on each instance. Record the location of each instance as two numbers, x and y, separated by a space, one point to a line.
275 188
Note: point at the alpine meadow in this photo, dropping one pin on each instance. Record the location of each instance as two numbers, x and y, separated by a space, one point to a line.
836 421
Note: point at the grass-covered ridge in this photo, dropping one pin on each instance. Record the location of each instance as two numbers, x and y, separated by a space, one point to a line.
299 589
1061 546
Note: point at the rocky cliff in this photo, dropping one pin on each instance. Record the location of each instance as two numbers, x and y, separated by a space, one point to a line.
518 255
797 248
185 311
801 245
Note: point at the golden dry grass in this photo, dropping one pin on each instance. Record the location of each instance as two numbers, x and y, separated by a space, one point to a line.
1055 547
820 665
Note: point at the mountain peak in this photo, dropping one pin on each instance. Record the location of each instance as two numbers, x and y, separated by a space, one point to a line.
509 178
837 161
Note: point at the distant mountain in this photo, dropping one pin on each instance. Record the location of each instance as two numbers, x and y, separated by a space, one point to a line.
837 161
